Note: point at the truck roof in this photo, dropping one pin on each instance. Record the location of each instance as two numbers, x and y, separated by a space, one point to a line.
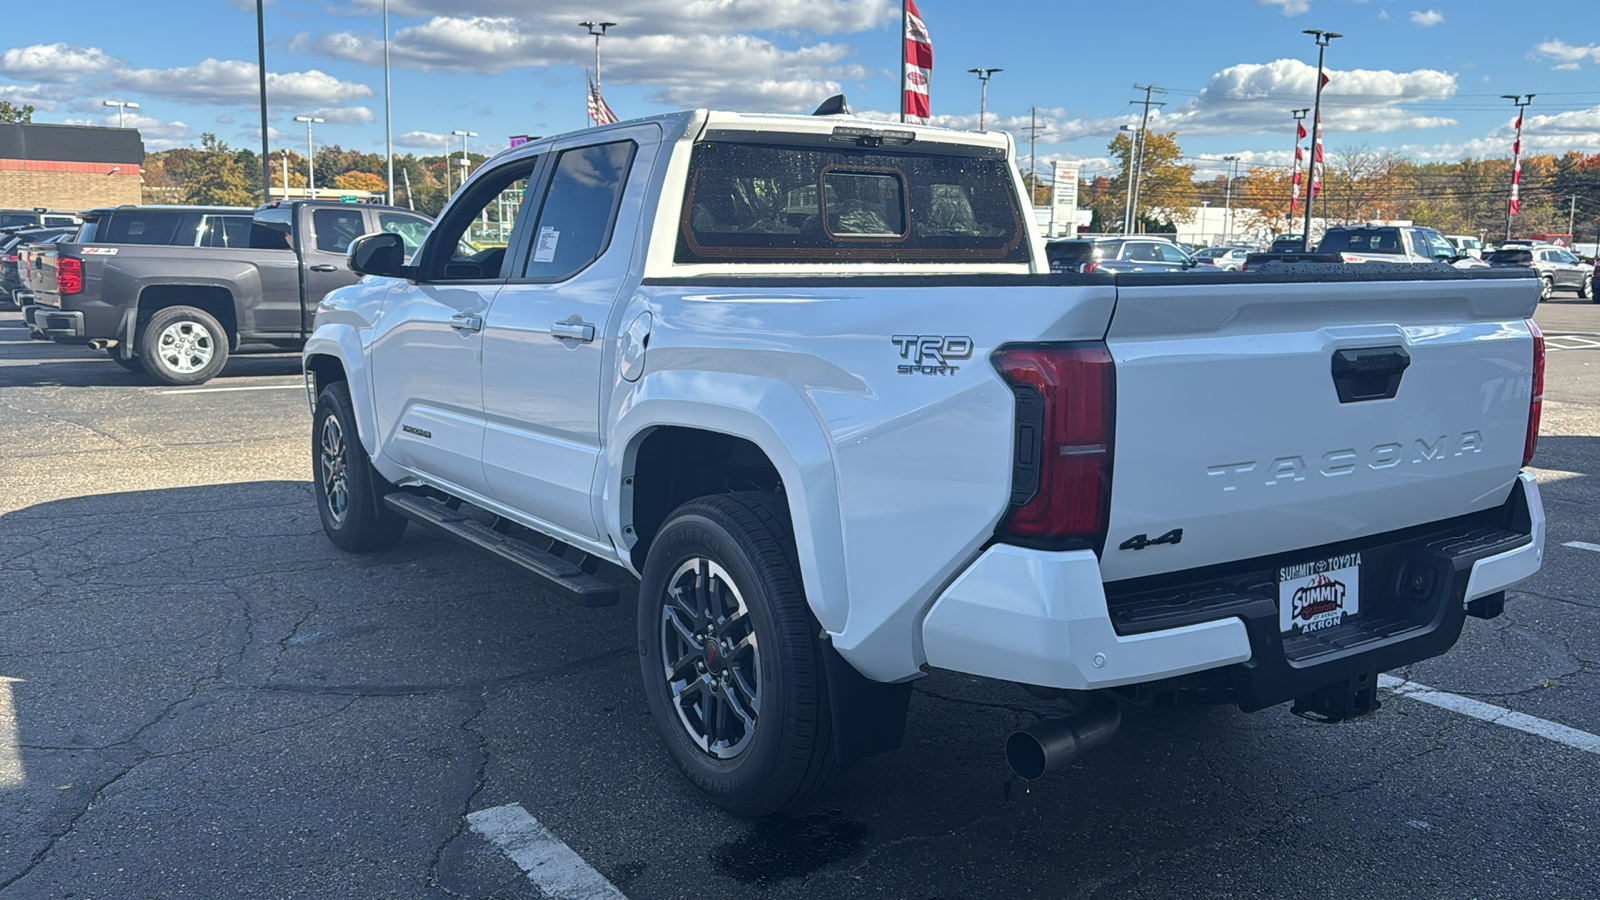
174 207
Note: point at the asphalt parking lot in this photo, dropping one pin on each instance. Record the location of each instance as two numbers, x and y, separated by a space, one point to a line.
200 697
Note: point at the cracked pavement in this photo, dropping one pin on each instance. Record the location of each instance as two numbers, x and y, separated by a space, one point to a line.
210 700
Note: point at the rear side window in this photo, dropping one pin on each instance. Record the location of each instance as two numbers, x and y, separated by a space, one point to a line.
773 204
336 228
149 227
272 229
12 220
1511 257
225 231
579 209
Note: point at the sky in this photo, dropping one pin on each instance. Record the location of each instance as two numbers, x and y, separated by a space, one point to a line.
1421 78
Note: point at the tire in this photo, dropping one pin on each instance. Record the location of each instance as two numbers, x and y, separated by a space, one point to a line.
1586 289
344 480
183 345
745 720
132 365
1547 288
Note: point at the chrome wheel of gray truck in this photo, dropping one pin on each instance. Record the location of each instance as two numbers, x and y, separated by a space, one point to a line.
183 345
733 671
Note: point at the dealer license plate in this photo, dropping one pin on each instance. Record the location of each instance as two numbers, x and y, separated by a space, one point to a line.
1317 595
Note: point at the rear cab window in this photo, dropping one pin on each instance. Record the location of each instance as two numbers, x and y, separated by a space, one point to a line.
824 201
165 227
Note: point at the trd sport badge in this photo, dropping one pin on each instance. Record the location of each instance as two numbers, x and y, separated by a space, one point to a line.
930 354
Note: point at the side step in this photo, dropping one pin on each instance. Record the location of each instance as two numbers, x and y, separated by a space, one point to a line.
551 569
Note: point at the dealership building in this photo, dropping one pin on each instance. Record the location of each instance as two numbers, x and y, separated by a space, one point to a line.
70 167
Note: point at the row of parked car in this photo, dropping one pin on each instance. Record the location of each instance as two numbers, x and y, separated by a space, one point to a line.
1558 267
171 291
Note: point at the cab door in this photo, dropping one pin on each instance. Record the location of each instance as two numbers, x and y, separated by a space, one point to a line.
427 348
323 266
545 338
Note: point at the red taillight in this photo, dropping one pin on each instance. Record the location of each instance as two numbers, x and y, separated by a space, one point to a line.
1090 267
69 276
1530 444
1061 473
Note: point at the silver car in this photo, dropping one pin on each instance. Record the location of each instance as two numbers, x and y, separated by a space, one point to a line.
1559 268
1228 259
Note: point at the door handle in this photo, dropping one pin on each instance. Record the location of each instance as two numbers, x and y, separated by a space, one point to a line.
466 322
572 331
324 267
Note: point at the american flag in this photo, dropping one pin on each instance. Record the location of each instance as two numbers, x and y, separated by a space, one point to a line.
918 66
599 112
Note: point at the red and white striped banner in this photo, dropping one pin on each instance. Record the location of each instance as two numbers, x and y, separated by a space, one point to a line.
918 55
599 112
1316 164
1516 170
1299 160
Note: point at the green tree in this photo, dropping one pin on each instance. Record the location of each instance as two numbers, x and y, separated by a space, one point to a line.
14 114
1166 186
214 176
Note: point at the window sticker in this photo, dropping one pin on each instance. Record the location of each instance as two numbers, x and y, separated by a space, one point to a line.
544 249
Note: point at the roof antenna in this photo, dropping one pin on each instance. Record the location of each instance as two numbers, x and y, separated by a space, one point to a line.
833 106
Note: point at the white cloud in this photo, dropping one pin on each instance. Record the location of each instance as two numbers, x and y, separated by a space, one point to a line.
59 62
1290 7
1256 97
343 115
1567 56
158 134
1426 19
422 140
230 82
1383 15
683 17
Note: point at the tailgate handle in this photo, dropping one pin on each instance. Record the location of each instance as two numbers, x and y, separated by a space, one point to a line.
1369 373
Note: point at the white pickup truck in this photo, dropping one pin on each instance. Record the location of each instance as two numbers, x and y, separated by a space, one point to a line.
811 381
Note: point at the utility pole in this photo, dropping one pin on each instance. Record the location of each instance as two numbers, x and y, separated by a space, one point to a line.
1572 215
285 152
983 101
1138 167
1127 200
1512 208
1033 153
1314 183
311 157
1227 210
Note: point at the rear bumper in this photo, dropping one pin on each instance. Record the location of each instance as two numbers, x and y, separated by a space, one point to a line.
1045 618
53 323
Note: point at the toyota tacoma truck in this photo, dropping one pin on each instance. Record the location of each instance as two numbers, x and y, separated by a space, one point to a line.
812 382
171 291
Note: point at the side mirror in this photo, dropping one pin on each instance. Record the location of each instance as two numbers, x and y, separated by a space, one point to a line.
382 254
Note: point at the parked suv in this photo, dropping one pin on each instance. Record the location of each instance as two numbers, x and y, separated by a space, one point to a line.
1117 254
1558 267
1228 259
37 217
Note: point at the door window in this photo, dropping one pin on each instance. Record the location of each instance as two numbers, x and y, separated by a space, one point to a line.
336 227
1171 254
469 243
579 210
1140 251
412 229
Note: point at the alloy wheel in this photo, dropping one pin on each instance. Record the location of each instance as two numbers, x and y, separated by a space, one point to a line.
710 658
332 462
185 347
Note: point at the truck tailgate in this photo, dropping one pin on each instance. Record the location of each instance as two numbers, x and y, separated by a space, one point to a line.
1230 423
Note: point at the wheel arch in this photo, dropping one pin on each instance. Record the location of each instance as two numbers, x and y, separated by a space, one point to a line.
699 414
215 300
333 353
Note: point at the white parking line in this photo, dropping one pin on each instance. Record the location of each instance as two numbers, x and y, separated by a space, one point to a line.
1582 545
11 774
550 864
1488 712
248 387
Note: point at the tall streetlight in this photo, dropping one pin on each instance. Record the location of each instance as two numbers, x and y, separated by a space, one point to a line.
261 73
1323 39
120 105
1522 101
598 29
388 128
983 101
1227 209
311 156
464 163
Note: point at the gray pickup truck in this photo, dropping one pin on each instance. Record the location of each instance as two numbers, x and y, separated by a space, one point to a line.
132 284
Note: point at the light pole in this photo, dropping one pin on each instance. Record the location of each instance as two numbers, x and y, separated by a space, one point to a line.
261 73
464 163
983 100
1127 203
1294 185
1314 184
285 152
1522 101
1227 209
120 105
598 29
311 157
388 128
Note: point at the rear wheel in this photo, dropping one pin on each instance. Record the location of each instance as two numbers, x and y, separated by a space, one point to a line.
732 667
1586 290
353 518
1547 288
183 345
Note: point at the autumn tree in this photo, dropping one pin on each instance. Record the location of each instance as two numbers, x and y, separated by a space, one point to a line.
1165 187
212 176
360 181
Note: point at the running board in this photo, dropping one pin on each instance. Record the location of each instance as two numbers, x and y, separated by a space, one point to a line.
549 568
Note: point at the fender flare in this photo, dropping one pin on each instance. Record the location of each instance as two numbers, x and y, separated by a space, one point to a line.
769 414
342 343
